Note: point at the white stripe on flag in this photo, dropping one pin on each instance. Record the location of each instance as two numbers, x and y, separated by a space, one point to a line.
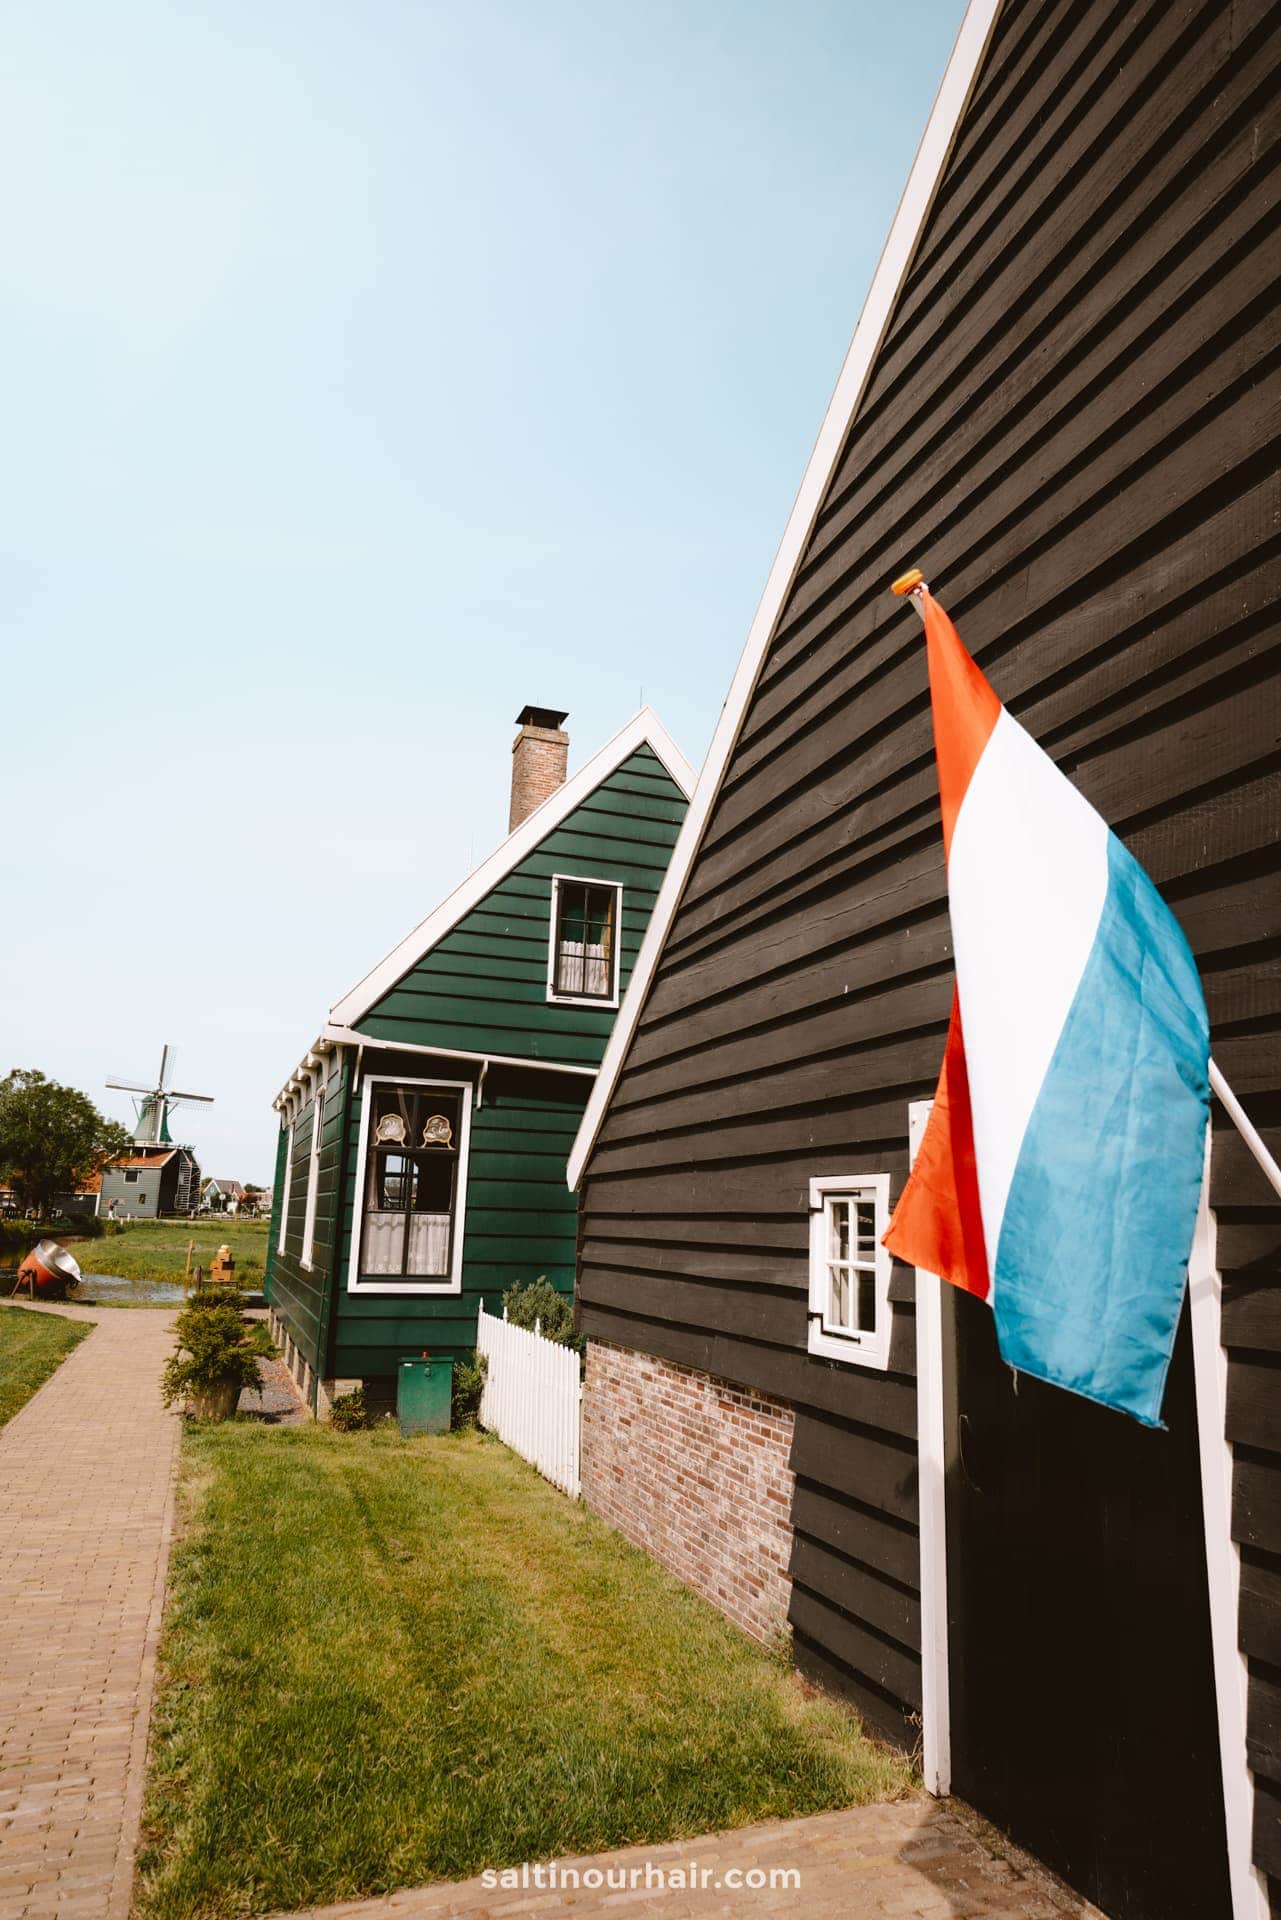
1027 879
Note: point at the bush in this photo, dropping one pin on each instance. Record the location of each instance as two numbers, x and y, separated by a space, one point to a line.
539 1302
469 1384
216 1357
85 1226
349 1414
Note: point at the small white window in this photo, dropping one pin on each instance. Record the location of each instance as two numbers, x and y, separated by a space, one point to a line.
849 1268
313 1174
582 962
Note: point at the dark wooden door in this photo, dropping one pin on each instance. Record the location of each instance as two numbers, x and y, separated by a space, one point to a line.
1082 1690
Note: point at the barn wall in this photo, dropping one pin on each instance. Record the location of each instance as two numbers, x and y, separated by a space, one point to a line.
1072 426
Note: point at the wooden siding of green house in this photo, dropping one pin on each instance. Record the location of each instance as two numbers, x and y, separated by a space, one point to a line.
483 986
520 1219
301 1294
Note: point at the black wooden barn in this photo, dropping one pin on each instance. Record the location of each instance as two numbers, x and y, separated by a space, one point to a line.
1062 401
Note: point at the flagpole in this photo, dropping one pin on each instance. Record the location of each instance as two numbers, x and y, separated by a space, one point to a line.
912 586
1245 1126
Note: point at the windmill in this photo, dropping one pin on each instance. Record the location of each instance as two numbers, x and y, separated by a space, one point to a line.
152 1129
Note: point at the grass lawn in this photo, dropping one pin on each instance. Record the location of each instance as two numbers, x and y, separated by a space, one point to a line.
157 1249
387 1662
32 1345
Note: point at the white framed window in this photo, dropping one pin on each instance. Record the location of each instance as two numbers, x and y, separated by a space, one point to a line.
849 1306
313 1174
284 1188
411 1179
583 952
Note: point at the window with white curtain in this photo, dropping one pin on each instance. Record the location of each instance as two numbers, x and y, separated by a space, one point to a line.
414 1168
583 963
849 1304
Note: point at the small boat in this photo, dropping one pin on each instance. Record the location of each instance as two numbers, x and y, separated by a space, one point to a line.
49 1271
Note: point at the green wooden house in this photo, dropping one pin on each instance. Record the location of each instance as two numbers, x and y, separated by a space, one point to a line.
423 1136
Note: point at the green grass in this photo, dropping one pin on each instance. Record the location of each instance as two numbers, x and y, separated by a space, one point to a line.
32 1346
157 1249
388 1662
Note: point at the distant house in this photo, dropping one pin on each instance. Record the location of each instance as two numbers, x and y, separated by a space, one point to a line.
149 1183
221 1196
1061 402
423 1135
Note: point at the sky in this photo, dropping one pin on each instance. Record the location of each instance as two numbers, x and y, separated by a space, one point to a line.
368 372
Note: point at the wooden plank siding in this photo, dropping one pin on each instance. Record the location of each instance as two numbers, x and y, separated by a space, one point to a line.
1071 425
299 1293
483 986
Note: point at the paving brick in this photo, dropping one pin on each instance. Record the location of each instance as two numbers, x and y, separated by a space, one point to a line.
86 1480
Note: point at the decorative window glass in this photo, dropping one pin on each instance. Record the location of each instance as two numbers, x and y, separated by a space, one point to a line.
584 956
849 1304
412 1157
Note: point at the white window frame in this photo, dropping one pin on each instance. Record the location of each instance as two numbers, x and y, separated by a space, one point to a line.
867 1349
313 1174
284 1190
453 1282
587 999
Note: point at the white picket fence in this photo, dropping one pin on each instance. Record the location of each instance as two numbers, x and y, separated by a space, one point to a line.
532 1397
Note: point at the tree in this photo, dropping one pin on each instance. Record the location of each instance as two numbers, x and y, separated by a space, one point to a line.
52 1138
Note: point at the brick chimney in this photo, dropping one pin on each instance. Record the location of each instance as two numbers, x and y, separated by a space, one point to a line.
540 760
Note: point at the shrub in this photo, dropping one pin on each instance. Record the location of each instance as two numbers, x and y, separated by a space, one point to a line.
86 1226
538 1302
216 1357
469 1384
349 1414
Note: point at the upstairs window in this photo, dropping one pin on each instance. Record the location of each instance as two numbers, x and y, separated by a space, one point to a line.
849 1306
584 952
131 1178
415 1157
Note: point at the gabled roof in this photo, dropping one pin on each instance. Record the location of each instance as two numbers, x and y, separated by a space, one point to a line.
156 1158
896 258
643 729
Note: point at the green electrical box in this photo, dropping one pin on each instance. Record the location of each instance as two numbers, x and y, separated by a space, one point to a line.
424 1390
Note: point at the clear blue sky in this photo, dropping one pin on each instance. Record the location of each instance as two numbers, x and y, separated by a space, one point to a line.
369 371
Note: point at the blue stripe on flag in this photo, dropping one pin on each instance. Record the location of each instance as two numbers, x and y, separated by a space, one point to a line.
1094 1244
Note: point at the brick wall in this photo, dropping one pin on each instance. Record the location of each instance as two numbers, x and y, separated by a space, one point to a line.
540 759
695 1471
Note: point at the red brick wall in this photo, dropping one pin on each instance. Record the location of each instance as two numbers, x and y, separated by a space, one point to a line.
695 1471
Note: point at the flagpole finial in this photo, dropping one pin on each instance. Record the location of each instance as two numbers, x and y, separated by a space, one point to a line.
912 585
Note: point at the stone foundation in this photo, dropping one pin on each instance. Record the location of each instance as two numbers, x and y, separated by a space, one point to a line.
317 1394
695 1471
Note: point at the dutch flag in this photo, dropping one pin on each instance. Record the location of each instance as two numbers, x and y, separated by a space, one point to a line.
1060 1173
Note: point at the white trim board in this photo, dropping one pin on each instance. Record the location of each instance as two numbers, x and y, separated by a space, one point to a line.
931 1454
1222 1560
896 258
643 729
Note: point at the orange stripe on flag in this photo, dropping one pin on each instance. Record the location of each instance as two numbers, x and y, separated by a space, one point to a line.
965 711
938 1224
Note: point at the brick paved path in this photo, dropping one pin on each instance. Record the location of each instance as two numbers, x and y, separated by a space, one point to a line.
86 1480
915 1860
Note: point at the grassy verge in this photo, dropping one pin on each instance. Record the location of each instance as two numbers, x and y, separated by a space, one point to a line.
157 1249
389 1662
32 1346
